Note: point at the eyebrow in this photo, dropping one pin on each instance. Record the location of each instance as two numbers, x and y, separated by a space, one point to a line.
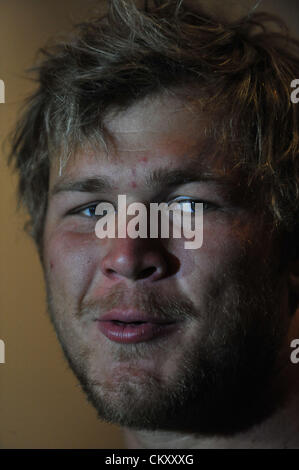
93 184
161 177
165 177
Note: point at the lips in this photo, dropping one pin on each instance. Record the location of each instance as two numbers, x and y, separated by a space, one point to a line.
123 326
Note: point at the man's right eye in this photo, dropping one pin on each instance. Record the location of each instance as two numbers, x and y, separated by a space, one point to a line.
87 211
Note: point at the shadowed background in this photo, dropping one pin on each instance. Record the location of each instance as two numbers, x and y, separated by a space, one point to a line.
41 403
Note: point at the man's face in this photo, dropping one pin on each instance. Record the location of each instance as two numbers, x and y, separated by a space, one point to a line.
217 316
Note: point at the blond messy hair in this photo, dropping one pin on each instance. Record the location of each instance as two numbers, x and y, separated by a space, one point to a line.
110 62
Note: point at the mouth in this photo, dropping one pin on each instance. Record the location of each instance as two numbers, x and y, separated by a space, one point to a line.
133 327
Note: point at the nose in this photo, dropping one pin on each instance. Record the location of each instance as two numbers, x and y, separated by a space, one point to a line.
135 259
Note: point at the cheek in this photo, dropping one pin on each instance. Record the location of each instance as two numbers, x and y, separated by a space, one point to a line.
223 248
220 246
70 260
225 240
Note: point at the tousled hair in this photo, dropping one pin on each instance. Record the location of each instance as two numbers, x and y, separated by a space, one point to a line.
242 69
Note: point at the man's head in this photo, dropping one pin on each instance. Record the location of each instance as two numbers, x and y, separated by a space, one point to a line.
165 104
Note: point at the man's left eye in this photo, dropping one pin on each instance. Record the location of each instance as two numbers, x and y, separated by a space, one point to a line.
188 205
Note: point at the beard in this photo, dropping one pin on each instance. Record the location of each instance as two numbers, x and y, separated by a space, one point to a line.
226 379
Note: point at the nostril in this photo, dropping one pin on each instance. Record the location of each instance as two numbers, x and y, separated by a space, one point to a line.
146 272
110 271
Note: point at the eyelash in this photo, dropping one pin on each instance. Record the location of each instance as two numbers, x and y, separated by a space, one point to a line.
212 206
80 210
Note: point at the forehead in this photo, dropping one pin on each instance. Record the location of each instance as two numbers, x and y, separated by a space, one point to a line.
162 131
163 119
